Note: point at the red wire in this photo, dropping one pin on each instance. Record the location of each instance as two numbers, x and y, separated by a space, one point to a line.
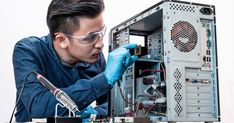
149 70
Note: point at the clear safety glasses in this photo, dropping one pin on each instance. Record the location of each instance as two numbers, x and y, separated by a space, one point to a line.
91 38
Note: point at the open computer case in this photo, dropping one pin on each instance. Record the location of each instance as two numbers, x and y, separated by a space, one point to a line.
176 75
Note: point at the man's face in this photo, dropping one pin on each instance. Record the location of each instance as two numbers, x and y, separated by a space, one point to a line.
78 50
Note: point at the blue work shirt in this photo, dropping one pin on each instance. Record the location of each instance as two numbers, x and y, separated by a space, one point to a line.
83 82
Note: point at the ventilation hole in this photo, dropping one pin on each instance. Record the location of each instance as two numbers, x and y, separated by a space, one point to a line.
177 86
178 109
177 74
178 97
184 36
180 7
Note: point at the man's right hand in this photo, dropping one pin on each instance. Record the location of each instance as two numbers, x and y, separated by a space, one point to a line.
117 62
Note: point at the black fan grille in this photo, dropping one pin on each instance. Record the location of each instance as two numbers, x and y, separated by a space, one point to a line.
184 36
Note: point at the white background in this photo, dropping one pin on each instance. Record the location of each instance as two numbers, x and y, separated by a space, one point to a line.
22 18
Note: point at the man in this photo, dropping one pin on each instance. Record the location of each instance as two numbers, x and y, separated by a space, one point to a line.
71 58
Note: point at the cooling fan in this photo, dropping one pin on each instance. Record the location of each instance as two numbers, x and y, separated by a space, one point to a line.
184 36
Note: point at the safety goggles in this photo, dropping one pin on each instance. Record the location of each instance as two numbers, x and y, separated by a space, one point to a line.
91 38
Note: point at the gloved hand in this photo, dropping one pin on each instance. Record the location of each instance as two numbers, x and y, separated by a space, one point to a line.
88 111
117 62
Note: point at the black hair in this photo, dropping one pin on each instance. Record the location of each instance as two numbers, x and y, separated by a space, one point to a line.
64 15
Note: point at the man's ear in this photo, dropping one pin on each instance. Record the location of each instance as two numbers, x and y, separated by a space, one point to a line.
61 40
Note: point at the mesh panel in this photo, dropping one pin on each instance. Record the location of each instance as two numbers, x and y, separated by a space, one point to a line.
180 7
184 36
178 97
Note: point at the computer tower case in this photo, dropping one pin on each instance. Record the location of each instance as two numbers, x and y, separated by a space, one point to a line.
176 75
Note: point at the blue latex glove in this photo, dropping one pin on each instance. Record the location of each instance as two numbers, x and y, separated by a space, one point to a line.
88 111
117 62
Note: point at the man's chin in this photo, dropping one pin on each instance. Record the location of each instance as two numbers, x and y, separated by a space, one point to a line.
93 60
